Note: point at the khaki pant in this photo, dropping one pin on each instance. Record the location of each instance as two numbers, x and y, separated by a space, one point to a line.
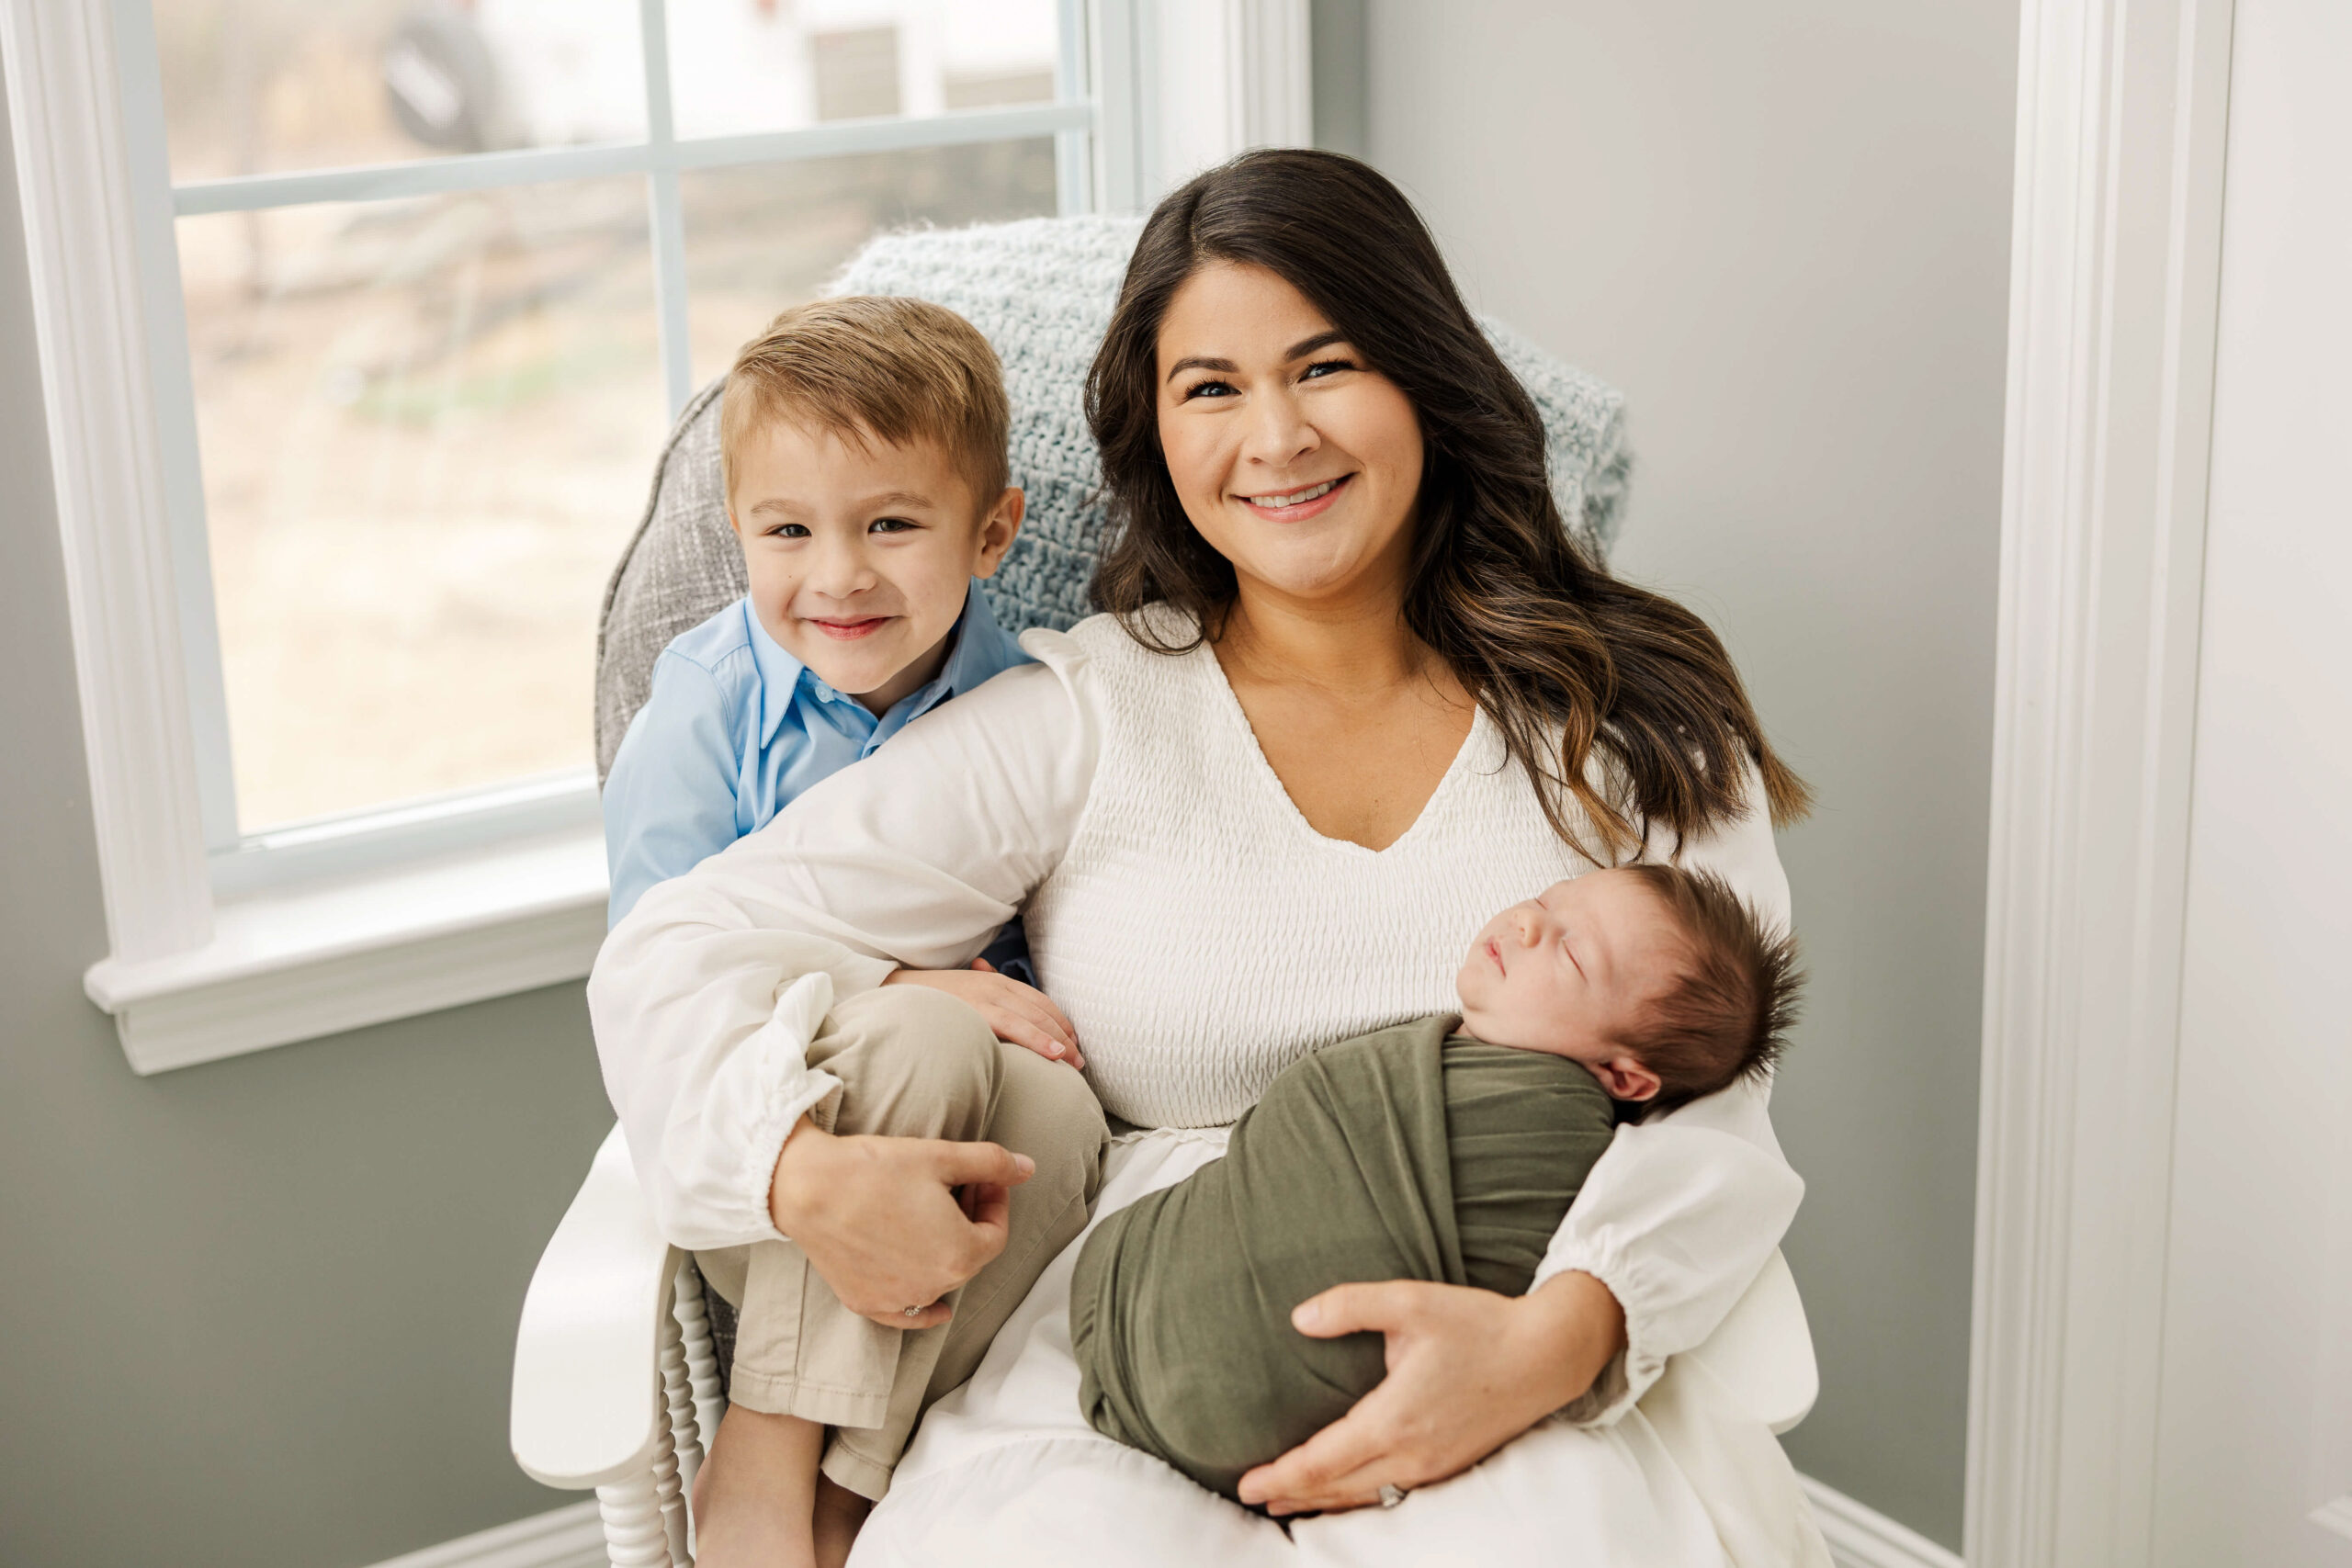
913 1063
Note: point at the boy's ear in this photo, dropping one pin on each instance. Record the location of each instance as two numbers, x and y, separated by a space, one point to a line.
1627 1080
998 530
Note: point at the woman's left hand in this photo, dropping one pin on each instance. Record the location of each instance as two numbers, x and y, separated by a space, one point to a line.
1469 1371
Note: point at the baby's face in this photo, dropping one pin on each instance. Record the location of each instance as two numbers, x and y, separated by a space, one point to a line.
1569 972
859 554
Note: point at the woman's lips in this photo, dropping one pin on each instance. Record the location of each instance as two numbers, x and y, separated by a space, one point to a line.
850 631
1305 509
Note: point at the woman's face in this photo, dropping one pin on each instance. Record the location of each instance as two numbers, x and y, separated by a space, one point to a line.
1296 463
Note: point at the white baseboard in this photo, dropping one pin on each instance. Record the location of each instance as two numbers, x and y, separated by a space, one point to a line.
1861 1537
565 1538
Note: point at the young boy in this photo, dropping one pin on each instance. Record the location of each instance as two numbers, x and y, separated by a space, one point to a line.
1447 1149
862 445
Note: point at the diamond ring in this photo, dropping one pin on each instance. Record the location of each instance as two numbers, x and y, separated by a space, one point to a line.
914 1312
1391 1494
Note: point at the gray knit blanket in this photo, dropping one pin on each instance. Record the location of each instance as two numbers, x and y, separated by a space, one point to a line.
1042 291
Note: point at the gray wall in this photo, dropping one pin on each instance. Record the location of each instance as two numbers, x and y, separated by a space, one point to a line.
260 1313
1783 231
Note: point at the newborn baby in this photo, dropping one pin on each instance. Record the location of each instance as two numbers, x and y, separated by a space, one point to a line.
1445 1149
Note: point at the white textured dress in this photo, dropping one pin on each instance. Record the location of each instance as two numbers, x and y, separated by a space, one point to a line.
1201 936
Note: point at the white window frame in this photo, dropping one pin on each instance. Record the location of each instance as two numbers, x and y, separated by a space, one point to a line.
221 944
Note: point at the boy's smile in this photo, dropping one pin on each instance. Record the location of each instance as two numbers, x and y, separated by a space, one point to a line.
860 553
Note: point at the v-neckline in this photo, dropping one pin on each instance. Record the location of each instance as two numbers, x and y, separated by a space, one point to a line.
1240 717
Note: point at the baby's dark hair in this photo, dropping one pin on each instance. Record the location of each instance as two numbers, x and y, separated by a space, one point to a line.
1728 1015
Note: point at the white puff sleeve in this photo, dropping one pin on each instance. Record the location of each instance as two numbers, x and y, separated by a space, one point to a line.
1683 1209
705 998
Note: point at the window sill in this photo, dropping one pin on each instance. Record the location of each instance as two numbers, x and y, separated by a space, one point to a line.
295 964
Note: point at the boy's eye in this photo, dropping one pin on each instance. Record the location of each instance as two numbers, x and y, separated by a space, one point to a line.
789 531
1208 389
890 526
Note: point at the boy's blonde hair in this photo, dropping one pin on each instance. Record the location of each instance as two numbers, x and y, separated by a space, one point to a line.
870 366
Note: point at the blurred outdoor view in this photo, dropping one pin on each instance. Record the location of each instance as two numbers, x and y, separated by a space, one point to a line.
429 425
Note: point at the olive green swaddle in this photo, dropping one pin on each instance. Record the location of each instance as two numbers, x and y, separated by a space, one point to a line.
1406 1154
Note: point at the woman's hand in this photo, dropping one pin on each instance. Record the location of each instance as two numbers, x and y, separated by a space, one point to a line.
1021 1015
1469 1371
894 1223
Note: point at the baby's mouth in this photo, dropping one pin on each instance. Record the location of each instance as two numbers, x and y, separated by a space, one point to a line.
1494 954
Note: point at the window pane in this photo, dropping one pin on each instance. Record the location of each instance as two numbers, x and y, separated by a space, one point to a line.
428 428
261 87
746 65
761 239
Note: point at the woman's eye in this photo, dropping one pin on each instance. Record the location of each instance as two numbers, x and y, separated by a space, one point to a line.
1315 371
1208 389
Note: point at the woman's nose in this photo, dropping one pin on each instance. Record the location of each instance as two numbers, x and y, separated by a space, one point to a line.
1278 435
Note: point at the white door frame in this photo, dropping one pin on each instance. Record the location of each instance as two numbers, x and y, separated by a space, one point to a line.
2115 266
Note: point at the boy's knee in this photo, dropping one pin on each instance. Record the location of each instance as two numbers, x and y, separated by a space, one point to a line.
1047 1112
913 1063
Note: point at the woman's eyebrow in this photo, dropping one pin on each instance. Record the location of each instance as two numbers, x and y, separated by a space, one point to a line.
1305 347
1197 362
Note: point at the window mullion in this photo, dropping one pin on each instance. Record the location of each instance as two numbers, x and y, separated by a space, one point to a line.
147 157
668 217
1073 149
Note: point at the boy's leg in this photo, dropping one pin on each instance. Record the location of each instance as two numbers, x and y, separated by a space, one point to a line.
1046 1110
913 1063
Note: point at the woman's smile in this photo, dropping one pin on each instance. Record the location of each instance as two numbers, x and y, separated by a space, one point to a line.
1298 504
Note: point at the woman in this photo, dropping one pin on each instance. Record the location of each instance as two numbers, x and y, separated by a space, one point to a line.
1357 688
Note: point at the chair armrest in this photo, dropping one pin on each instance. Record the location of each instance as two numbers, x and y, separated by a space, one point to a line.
1762 1352
587 1404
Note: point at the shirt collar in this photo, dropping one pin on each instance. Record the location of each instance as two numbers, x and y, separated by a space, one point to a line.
970 661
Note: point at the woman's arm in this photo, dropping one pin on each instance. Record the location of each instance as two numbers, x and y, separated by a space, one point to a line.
1684 1209
1668 1231
705 998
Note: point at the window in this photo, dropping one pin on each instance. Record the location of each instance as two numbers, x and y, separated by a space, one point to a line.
362 322
441 265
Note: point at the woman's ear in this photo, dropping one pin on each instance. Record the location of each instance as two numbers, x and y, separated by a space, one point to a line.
998 530
1627 1080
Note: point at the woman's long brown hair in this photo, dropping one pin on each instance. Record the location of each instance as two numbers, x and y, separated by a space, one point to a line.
1565 659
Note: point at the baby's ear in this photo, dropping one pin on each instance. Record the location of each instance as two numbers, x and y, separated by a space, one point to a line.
1627 1080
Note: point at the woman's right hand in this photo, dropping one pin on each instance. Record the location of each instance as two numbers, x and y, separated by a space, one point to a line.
1021 1015
894 1223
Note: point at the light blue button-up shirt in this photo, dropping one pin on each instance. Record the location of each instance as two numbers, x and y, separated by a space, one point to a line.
736 728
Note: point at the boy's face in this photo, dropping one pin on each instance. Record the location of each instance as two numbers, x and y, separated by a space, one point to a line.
1570 971
859 554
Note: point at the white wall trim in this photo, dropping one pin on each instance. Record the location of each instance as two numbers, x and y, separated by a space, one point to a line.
571 1537
1213 78
1276 72
72 171
1861 1537
2114 283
